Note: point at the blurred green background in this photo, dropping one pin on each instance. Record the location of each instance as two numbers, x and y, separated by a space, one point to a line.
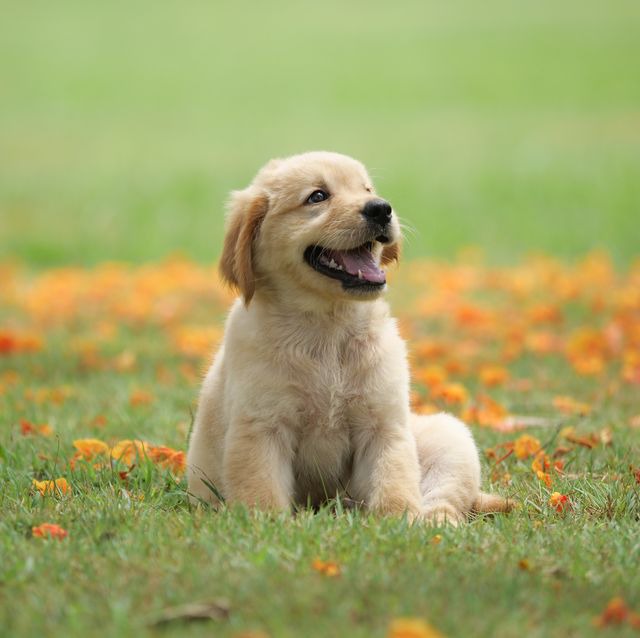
508 125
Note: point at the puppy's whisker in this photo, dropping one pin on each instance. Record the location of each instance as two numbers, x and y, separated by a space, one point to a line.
409 233
406 227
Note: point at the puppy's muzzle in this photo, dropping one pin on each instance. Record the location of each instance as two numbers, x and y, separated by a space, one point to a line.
378 213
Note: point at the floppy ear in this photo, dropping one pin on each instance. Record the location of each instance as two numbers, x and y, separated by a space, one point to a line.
246 210
390 253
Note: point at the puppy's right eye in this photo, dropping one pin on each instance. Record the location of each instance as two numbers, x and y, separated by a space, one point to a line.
317 196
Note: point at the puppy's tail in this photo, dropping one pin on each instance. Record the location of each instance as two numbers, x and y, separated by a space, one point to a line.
492 503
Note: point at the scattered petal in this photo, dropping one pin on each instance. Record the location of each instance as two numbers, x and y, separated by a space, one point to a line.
615 613
412 628
450 393
88 449
140 397
568 405
492 376
526 446
545 477
327 568
58 487
560 502
28 429
129 451
174 460
49 530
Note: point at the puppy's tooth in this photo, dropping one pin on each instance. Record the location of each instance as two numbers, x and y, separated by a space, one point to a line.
333 264
360 274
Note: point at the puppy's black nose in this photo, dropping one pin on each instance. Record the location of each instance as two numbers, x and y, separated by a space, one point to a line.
378 211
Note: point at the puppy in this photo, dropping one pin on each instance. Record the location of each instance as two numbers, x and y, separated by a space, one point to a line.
308 396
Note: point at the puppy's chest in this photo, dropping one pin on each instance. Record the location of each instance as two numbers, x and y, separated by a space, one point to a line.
323 442
329 384
327 388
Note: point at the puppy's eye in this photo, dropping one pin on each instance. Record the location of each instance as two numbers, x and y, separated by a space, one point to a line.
317 196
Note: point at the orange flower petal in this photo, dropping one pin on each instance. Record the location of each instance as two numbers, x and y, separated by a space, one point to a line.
412 628
49 530
327 568
615 613
52 488
526 446
90 448
558 501
128 451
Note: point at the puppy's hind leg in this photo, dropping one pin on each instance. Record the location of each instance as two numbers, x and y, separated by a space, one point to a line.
450 468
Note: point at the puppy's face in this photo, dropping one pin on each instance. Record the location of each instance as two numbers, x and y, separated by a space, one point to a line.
314 223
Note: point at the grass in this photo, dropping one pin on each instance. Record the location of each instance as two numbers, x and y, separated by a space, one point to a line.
511 128
136 547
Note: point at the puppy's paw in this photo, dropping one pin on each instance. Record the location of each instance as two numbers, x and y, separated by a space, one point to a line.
493 503
442 514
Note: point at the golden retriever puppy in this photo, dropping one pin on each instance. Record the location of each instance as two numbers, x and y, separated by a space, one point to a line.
308 396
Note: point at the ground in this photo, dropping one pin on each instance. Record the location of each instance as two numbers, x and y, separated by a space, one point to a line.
507 139
95 360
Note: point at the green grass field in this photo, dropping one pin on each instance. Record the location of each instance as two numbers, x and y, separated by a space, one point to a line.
512 128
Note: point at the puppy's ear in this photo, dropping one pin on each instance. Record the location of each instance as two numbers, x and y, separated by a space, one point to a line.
246 210
390 253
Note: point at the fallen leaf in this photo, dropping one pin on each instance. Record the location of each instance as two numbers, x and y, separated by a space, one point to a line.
585 441
214 610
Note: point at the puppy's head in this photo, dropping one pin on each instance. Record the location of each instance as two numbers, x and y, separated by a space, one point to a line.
310 224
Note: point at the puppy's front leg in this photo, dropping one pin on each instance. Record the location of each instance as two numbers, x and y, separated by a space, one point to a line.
386 474
257 466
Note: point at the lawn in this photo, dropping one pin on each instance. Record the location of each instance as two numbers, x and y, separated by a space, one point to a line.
508 139
124 126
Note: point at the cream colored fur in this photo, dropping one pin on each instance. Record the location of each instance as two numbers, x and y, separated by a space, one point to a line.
308 396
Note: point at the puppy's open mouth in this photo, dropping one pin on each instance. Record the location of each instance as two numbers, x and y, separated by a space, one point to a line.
355 268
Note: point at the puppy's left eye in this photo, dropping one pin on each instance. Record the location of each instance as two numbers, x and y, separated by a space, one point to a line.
317 196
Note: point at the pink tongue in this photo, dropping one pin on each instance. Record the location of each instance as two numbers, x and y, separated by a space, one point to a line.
360 259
